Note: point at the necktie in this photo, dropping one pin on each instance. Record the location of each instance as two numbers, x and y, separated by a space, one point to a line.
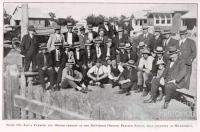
45 61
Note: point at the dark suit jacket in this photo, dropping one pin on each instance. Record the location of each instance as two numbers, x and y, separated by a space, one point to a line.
94 35
172 42
53 54
133 54
64 59
75 37
29 47
176 72
188 51
112 52
157 42
82 59
40 60
123 57
149 40
129 74
155 67
108 33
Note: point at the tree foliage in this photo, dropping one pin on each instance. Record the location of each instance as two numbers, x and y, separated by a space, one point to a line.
6 17
95 20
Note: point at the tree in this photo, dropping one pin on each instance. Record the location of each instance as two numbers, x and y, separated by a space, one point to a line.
61 21
52 15
70 19
6 17
95 20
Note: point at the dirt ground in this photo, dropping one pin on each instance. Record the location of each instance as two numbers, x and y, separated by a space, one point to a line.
106 104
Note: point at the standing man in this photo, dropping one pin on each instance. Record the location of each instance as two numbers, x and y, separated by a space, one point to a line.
70 37
115 28
127 26
147 38
55 39
132 54
82 37
107 28
188 53
109 50
123 55
158 38
29 49
98 50
91 35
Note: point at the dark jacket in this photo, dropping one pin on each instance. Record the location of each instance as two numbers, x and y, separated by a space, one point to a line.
176 72
109 32
129 74
75 37
188 51
112 52
40 60
157 42
123 57
82 59
94 35
29 47
149 40
155 67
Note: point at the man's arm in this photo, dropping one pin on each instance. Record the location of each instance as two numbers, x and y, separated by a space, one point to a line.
89 73
193 53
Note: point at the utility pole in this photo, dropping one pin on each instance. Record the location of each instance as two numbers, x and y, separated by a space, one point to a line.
24 22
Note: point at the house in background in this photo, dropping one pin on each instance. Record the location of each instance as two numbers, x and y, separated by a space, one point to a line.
189 20
36 17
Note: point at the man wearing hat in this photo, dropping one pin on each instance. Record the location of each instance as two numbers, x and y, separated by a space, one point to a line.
188 53
132 55
82 37
156 78
123 55
157 38
91 35
147 38
45 67
107 28
55 39
127 26
173 76
98 50
79 55
128 78
115 27
102 37
144 71
29 49
70 37
168 40
71 76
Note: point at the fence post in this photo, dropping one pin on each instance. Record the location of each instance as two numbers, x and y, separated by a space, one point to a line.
23 92
30 95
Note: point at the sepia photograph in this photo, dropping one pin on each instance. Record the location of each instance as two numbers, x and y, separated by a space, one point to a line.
99 61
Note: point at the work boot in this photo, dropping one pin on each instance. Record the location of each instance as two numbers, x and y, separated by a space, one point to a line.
166 104
139 89
160 97
150 100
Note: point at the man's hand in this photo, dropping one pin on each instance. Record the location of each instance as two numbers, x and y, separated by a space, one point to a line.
162 81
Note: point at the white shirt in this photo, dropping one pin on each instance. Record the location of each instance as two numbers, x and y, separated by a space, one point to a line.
101 70
147 63
110 76
145 35
69 38
98 52
90 36
171 64
106 26
108 52
167 41
57 55
182 41
77 55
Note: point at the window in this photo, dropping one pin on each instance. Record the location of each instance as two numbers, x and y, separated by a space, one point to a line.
162 19
145 21
17 22
168 19
157 19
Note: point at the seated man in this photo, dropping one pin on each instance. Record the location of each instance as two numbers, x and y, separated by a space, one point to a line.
144 71
154 90
114 72
72 77
98 74
128 78
173 76
45 67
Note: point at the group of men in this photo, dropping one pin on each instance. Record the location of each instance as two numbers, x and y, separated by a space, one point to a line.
155 64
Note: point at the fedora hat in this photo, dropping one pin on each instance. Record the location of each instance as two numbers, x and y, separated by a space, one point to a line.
121 45
159 62
69 25
57 43
172 50
66 46
159 50
31 28
90 27
75 29
57 27
183 30
42 46
98 41
120 29
131 63
127 46
82 28
145 26
146 51
76 44
88 43
69 63
106 19
166 31
141 45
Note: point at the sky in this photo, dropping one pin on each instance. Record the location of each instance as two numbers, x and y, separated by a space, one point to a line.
80 10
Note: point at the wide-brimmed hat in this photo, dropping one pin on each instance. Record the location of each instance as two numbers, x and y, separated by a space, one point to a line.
57 43
159 62
66 46
121 45
88 43
69 63
76 44
166 31
131 63
183 30
57 27
31 28
146 51
172 50
159 50
141 45
75 29
127 46
90 27
43 46
69 25
120 29
98 41
145 26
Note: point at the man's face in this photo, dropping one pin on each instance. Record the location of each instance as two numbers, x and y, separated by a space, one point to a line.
109 62
145 31
109 44
98 64
105 22
88 47
167 36
77 48
89 30
97 45
128 50
57 31
126 23
161 66
122 50
101 33
70 30
128 67
159 55
57 47
113 63
145 56
44 51
82 32
157 33
183 36
66 49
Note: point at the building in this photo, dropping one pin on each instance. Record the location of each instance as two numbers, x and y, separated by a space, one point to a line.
36 17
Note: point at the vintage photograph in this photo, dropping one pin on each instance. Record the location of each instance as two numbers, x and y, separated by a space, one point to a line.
100 61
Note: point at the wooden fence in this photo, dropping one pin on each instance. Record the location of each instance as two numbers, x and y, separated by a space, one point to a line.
19 102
